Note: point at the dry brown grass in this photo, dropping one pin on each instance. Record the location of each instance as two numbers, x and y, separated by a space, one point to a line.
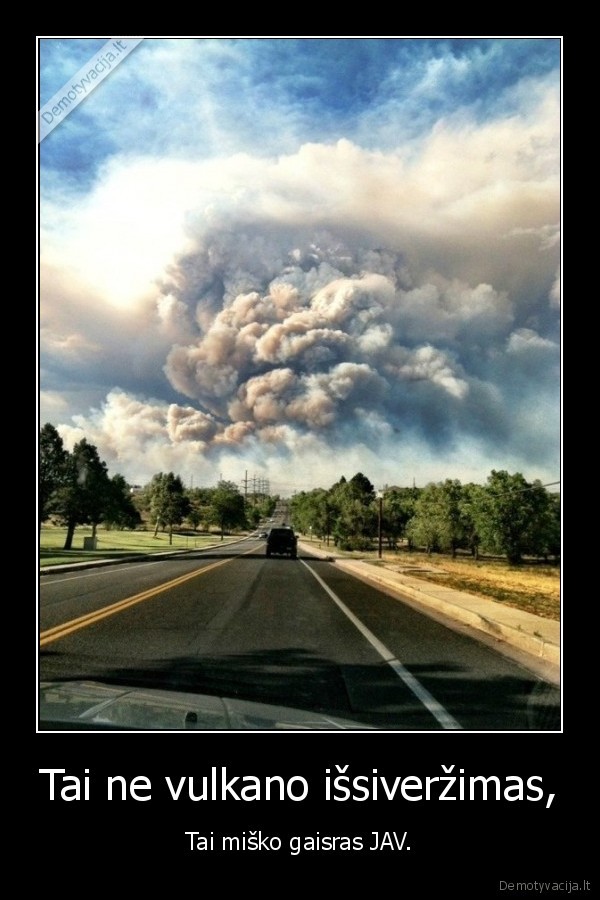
533 586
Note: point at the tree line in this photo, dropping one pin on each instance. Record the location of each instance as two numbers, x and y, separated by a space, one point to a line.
75 489
507 516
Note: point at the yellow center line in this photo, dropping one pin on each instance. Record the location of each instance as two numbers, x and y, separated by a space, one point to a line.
60 631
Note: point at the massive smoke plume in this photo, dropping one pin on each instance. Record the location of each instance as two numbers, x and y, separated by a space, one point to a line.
324 311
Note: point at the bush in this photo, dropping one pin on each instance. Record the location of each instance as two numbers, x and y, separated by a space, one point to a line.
355 543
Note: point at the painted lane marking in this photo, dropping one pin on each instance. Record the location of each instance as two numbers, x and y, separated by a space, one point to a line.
442 715
60 631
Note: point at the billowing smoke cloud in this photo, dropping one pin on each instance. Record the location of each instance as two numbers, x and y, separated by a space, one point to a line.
341 301
330 326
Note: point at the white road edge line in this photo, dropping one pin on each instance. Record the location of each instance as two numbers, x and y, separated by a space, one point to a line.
436 709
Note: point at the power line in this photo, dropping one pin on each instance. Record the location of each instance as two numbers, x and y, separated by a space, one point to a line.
531 487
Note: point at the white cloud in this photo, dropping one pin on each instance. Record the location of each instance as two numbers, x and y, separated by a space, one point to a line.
281 306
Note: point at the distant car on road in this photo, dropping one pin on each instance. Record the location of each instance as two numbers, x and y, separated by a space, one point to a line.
282 542
263 534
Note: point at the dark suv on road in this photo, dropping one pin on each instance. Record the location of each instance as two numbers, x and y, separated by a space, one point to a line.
282 542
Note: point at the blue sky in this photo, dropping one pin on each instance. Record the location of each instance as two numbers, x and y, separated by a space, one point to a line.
305 257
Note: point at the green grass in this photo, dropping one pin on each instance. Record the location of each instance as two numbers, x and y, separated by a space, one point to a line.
115 544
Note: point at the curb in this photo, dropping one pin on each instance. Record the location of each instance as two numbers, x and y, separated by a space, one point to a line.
468 614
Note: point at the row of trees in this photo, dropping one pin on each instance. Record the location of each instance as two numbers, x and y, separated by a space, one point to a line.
75 489
507 516
168 503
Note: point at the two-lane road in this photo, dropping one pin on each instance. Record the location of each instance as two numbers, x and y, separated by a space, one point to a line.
230 622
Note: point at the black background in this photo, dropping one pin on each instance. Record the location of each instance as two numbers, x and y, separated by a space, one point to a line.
458 848
464 848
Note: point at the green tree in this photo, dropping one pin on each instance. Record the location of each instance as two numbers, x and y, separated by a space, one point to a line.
227 507
512 516
194 516
456 529
52 460
120 510
426 527
253 515
169 503
200 506
82 497
471 501
311 511
552 529
438 520
398 509
361 488
259 507
352 512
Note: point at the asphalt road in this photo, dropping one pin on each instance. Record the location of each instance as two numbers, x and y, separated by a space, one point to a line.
230 622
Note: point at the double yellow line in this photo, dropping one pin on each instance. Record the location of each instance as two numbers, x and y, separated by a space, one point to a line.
61 631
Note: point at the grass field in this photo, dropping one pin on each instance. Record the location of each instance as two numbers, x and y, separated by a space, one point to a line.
114 544
533 586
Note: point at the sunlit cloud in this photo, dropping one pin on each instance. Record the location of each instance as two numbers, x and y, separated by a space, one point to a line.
255 273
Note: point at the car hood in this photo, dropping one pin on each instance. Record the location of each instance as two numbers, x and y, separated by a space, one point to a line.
88 705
